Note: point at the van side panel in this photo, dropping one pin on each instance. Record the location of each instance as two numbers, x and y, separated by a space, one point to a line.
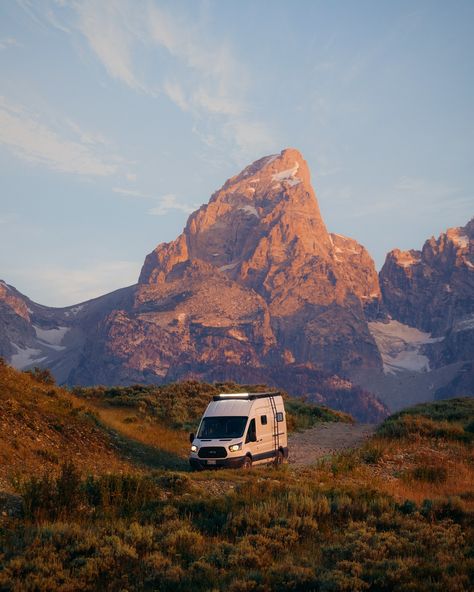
271 435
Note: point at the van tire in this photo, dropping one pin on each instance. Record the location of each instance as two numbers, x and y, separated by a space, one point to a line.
247 463
278 459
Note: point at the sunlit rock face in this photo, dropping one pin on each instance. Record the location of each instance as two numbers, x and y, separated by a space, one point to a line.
255 289
432 289
257 272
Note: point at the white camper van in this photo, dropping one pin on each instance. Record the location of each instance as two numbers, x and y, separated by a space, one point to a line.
240 430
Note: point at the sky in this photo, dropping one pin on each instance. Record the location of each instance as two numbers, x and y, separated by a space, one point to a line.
119 118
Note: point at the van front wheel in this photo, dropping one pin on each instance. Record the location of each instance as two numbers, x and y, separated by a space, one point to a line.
247 463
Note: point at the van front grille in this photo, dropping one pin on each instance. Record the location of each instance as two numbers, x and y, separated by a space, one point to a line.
212 452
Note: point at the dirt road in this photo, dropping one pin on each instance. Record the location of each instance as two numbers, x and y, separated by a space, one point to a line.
328 438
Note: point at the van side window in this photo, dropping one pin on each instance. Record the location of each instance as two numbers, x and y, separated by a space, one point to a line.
251 433
263 419
279 416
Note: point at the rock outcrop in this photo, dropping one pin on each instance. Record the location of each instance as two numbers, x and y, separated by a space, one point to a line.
257 269
432 289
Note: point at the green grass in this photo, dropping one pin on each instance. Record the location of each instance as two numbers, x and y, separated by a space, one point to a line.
181 405
452 419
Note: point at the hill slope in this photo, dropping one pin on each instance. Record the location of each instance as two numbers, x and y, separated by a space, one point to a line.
396 514
42 425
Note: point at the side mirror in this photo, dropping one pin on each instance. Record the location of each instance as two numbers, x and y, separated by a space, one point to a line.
191 437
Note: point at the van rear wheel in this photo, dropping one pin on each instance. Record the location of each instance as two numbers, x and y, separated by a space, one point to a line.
278 459
247 463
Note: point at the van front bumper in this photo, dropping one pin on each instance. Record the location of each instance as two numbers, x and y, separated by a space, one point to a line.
199 464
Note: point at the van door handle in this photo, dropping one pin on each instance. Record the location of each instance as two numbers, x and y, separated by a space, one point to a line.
261 440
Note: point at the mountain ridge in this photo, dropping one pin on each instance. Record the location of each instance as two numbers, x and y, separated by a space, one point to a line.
255 289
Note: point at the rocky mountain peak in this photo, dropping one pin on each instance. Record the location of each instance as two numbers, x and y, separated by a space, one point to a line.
254 289
260 219
12 299
256 273
432 289
289 165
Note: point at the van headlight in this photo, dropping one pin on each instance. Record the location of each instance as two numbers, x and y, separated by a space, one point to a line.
194 448
235 447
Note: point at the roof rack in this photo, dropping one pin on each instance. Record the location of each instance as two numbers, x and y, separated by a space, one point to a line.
244 396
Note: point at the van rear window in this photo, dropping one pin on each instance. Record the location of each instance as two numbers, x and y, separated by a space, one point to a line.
279 416
222 427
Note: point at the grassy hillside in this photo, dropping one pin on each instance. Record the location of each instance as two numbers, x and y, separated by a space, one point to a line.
180 405
109 429
42 425
396 514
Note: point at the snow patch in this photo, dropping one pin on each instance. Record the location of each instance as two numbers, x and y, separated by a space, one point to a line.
288 175
25 356
465 324
271 158
229 266
406 259
462 240
250 209
400 346
52 337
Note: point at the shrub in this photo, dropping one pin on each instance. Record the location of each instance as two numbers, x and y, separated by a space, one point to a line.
372 453
42 375
430 474
49 498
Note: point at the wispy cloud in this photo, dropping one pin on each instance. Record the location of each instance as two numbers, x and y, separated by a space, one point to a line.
9 42
162 205
170 202
86 136
33 140
74 285
201 75
415 195
175 92
111 30
131 192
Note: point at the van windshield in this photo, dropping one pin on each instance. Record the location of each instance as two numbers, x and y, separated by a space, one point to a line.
222 427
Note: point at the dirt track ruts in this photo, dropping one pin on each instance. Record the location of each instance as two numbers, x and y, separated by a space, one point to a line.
305 448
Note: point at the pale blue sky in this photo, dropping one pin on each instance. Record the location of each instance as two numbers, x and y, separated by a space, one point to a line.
118 118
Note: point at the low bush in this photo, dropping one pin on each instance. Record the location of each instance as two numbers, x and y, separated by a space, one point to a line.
451 419
430 474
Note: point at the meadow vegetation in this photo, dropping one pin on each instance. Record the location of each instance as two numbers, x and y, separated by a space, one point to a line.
394 515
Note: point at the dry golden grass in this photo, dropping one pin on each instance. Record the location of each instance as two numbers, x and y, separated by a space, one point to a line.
42 425
419 469
142 429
